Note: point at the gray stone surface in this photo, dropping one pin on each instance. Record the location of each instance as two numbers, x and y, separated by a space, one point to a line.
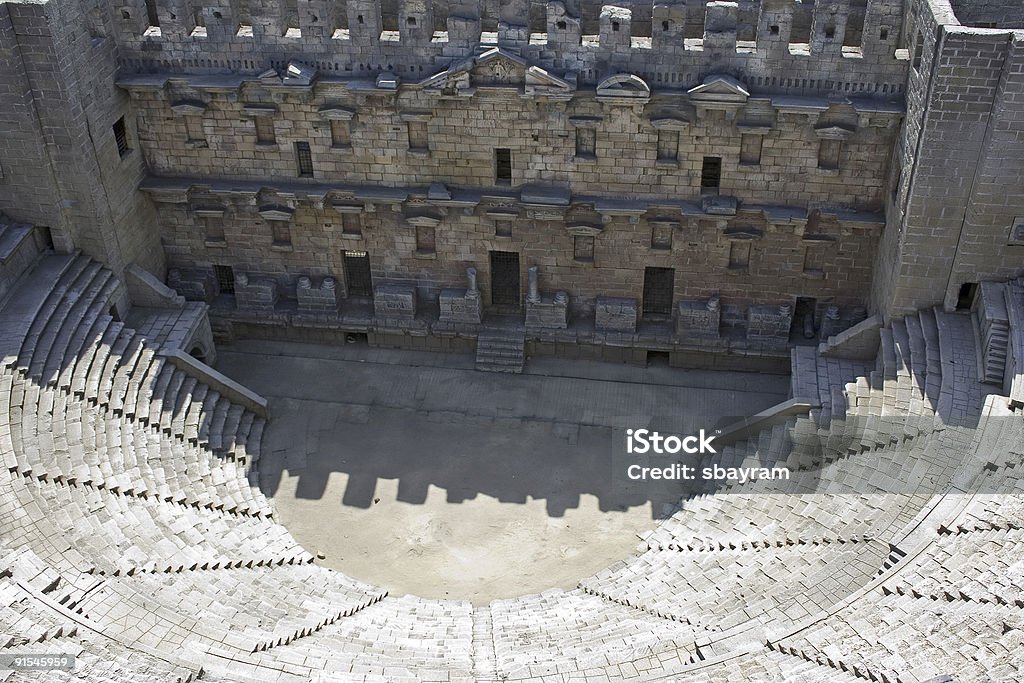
411 470
616 314
394 302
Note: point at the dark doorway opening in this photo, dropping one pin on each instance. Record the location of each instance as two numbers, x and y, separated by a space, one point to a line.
45 235
658 359
225 279
804 327
658 286
197 353
358 280
357 338
504 278
965 298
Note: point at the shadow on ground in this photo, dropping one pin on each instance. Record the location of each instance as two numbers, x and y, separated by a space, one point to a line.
430 420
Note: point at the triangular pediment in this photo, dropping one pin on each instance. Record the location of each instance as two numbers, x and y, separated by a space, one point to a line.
720 88
495 68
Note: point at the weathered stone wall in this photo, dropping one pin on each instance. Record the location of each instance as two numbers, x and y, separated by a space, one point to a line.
463 133
989 13
951 219
62 166
700 252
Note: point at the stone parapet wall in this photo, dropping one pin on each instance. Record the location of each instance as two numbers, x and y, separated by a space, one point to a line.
841 46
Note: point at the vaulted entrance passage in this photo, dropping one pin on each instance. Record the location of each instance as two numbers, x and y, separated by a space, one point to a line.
504 278
358 281
658 286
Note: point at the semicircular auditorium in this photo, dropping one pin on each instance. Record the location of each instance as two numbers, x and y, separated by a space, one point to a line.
830 188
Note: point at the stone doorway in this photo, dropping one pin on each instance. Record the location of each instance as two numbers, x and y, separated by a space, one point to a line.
658 288
504 278
804 327
358 281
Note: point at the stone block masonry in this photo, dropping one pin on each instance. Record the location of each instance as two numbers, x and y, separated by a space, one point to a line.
763 154
616 314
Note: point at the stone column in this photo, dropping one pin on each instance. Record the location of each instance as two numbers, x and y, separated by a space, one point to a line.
471 289
533 291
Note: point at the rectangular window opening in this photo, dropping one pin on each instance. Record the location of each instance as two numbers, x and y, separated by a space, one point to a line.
351 225
426 240
265 130
586 143
739 255
121 137
711 175
583 248
418 136
282 233
661 236
304 159
503 166
152 16
828 154
668 145
750 149
341 134
659 284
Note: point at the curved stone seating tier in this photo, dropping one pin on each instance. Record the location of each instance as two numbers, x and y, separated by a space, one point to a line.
396 639
862 495
30 627
558 633
717 591
120 455
127 534
247 610
983 566
884 637
132 532
766 666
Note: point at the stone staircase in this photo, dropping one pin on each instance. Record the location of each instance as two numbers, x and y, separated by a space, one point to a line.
500 349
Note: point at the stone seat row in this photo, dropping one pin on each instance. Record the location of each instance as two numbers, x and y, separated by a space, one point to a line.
888 637
56 436
260 606
983 566
73 344
559 633
247 610
406 639
859 496
716 591
867 418
30 628
133 535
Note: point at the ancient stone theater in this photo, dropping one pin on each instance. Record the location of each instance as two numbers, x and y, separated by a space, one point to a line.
829 189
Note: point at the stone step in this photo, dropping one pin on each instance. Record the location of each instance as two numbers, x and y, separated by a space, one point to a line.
500 350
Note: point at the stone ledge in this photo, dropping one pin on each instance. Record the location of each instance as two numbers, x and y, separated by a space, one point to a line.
222 383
